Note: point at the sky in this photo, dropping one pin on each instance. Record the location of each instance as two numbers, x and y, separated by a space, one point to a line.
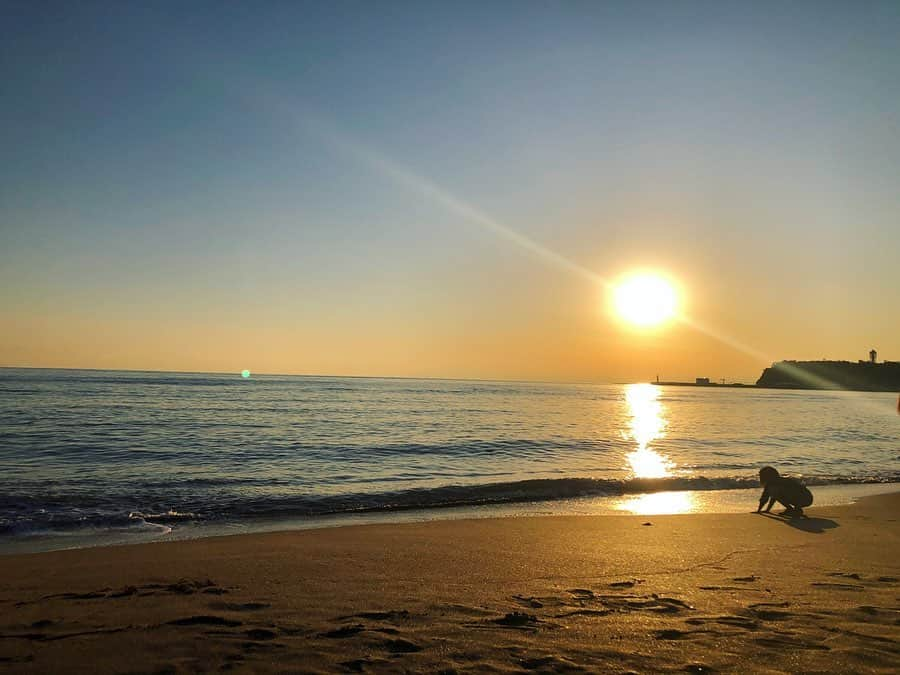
447 189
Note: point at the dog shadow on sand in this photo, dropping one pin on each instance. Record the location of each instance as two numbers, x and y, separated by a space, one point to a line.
805 523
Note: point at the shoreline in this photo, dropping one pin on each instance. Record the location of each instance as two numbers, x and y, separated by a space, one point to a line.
662 502
693 592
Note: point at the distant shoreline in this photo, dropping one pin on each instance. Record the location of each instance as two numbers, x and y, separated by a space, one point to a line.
667 383
817 376
738 385
711 385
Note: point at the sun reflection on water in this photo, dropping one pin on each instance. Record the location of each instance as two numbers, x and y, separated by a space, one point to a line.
647 424
658 503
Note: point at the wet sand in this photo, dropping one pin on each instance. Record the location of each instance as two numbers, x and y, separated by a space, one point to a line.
689 593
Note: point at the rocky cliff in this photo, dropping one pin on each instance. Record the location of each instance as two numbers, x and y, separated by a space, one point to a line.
859 376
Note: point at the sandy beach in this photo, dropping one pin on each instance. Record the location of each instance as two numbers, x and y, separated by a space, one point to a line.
688 593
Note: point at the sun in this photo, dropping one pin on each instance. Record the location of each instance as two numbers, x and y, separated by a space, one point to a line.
644 299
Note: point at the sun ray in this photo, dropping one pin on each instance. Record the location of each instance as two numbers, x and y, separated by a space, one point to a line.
339 141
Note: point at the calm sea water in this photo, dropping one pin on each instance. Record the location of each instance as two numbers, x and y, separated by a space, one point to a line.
87 453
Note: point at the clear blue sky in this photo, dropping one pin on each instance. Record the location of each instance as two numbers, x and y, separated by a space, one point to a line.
203 185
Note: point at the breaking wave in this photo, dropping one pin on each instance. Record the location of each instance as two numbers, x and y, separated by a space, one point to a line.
27 516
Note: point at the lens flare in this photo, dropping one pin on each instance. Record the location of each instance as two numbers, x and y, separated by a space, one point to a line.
245 373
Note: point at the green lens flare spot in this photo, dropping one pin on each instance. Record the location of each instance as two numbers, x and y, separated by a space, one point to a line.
245 374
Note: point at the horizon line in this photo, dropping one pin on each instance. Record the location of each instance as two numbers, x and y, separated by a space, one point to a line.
359 377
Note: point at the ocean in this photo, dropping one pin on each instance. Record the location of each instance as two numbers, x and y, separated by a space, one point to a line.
100 457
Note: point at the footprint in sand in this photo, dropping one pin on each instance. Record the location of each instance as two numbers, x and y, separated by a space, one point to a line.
839 586
183 587
671 634
584 612
790 642
204 620
582 593
239 606
53 637
518 620
550 664
391 615
530 602
771 614
17 659
261 634
364 665
357 665
42 623
180 587
401 646
727 620
652 603
343 632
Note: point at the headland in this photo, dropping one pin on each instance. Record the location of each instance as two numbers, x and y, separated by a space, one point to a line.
824 375
848 375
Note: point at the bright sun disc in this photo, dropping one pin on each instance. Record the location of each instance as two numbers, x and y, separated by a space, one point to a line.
644 300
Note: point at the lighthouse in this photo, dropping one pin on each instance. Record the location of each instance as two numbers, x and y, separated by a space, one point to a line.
872 356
